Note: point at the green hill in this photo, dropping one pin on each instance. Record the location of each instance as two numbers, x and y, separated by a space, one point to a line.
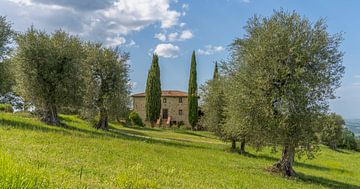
34 155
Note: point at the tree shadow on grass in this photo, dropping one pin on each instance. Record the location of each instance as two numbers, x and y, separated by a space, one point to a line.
146 129
189 133
29 126
113 133
340 151
297 164
325 182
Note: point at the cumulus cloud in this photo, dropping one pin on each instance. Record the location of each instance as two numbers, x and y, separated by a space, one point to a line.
186 34
167 50
113 42
160 36
100 20
175 36
209 50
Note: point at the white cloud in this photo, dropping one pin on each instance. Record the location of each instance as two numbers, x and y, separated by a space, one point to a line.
186 34
113 42
245 1
209 50
173 36
100 20
357 76
182 24
185 7
167 50
160 36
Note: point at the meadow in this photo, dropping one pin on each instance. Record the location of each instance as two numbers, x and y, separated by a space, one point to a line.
35 155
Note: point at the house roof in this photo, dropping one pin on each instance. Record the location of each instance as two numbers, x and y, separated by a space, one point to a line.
166 93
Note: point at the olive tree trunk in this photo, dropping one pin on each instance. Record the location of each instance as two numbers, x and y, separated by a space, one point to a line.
242 147
233 144
51 117
103 121
285 164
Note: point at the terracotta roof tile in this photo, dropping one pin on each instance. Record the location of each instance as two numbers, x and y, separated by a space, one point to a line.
167 93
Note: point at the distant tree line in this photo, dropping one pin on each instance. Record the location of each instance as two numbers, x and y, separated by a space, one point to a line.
59 73
275 88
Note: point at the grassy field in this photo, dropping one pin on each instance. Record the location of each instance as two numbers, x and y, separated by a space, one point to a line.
34 155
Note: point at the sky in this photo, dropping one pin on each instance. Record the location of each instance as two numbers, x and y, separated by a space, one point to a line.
175 28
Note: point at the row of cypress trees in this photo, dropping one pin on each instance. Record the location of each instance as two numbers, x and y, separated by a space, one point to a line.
153 93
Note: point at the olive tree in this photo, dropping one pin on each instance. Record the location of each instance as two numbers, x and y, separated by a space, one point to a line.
332 130
212 104
287 69
107 81
48 71
6 34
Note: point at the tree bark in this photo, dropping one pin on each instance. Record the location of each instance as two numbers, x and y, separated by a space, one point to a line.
242 147
285 164
103 121
51 117
233 144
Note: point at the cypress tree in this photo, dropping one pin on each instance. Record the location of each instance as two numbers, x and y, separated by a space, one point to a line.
153 92
216 72
192 94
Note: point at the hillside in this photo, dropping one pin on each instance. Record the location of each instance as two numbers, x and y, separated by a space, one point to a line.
35 155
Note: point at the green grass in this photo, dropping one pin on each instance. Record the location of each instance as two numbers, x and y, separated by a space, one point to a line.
78 156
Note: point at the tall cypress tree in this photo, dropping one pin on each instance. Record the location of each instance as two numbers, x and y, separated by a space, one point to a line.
192 94
216 72
153 92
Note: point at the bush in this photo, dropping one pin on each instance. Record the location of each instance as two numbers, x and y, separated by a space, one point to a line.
348 140
135 119
6 108
13 175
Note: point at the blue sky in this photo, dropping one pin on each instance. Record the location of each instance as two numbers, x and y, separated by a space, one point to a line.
174 28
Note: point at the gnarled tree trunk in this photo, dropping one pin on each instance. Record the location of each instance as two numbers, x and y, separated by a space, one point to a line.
242 147
50 116
285 164
233 144
103 121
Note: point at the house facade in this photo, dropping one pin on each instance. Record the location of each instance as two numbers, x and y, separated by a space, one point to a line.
174 107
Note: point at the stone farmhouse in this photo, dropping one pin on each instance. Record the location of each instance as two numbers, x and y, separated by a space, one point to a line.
174 107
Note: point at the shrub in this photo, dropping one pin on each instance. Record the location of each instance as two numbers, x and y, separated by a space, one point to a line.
6 108
13 175
348 140
135 119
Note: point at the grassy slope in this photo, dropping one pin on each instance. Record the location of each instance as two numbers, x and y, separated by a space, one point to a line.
78 156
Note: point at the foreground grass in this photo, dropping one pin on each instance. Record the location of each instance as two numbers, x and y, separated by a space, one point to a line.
78 156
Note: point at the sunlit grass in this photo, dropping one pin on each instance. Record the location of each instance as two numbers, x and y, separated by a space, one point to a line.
79 156
14 175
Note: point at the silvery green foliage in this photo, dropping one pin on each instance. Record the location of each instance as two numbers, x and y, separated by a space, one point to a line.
281 77
6 35
49 71
107 81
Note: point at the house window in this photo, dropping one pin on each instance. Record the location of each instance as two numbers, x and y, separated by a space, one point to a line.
164 100
180 112
180 100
